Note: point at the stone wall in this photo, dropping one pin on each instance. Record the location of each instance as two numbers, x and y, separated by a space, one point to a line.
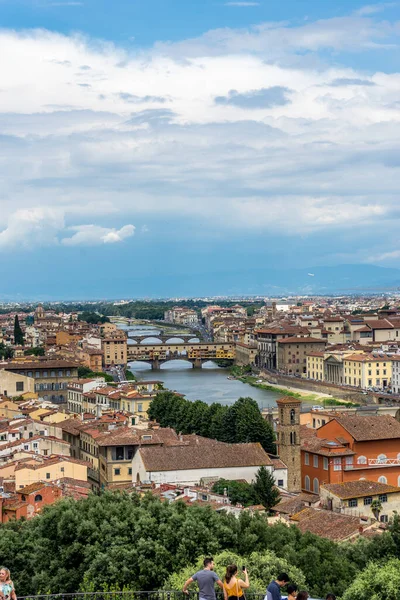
317 386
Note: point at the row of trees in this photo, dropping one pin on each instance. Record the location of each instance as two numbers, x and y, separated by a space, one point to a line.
262 491
116 541
93 318
241 422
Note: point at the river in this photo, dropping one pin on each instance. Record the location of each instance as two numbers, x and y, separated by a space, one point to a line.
210 384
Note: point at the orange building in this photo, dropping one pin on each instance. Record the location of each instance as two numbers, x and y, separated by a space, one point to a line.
350 448
28 501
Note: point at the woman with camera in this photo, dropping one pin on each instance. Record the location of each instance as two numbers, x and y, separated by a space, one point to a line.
234 585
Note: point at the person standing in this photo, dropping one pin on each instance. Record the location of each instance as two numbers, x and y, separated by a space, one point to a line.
292 592
234 587
274 588
7 591
206 580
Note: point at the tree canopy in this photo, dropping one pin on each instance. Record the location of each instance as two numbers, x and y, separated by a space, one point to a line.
241 422
119 541
18 335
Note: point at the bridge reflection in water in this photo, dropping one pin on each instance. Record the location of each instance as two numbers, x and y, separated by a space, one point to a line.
195 353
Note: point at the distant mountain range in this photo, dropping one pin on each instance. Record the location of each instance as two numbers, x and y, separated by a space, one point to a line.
338 280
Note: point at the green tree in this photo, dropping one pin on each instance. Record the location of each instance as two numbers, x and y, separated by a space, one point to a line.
6 352
18 335
379 581
376 507
265 489
37 351
239 492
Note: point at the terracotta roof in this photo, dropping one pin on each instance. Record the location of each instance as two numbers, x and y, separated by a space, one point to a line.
123 436
319 354
33 487
287 400
359 489
289 506
301 340
278 464
46 364
379 324
72 426
325 447
326 523
365 428
210 454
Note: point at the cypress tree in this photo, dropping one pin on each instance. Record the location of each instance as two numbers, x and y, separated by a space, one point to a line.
18 335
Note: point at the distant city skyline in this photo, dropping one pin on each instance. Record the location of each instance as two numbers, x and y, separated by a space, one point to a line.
198 148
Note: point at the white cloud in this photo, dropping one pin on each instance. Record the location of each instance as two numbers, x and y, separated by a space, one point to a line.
144 136
92 235
372 9
44 225
32 227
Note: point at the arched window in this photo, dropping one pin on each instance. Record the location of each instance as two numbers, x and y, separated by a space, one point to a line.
292 417
362 460
307 482
315 486
382 479
38 498
382 458
362 478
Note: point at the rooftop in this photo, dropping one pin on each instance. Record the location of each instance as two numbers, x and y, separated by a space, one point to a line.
359 489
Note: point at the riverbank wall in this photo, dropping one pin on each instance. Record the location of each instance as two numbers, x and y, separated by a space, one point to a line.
318 387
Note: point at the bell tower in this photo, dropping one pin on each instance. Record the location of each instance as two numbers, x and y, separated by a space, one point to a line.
288 434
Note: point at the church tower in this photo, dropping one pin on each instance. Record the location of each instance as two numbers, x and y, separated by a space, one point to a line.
39 313
288 434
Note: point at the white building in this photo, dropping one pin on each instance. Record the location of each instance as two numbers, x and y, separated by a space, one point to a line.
201 458
77 388
396 374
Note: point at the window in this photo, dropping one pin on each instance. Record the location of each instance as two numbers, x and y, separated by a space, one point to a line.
326 463
19 386
315 461
117 471
26 447
337 464
292 417
382 479
140 407
307 483
62 469
382 458
306 458
280 482
38 498
353 503
383 497
45 452
362 460
35 445
384 519
367 500
316 486
52 374
47 475
130 471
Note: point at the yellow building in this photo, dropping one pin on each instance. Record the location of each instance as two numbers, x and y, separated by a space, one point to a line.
15 384
367 370
115 349
51 469
316 365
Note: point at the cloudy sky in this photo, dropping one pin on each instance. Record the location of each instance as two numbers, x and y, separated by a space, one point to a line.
149 142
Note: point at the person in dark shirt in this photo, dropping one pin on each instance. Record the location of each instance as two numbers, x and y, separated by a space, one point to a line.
274 587
206 580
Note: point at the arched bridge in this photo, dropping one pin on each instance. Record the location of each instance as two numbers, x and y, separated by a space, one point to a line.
163 338
197 354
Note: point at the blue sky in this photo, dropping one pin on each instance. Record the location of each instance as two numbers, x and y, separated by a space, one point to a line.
151 146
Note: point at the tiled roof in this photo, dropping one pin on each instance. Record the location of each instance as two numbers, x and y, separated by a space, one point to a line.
212 454
289 506
365 428
325 447
45 364
122 436
287 400
359 489
326 523
278 464
33 487
301 340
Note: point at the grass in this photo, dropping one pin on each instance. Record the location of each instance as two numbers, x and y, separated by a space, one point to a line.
251 380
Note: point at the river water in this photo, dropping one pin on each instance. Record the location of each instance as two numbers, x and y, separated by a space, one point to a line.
210 384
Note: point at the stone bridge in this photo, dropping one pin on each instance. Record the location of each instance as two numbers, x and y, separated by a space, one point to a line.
196 353
163 338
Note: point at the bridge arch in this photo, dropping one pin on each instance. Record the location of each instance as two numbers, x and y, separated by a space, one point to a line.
151 340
